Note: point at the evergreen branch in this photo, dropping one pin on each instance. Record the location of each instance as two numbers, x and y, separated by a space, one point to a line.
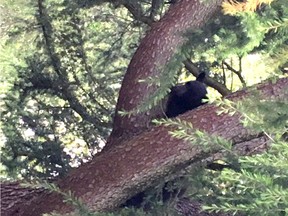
233 7
68 197
185 131
277 24
80 52
47 30
81 110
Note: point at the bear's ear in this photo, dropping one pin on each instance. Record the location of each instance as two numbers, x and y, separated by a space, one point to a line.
201 77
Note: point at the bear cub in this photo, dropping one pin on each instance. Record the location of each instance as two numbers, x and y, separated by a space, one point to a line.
186 97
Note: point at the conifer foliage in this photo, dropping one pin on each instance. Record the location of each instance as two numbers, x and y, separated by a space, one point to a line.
62 65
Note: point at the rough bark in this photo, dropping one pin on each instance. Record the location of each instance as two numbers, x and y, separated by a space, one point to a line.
13 195
126 169
155 51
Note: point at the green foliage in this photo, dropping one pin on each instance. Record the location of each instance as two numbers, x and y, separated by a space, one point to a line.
80 208
164 82
260 187
68 198
259 184
257 113
185 131
61 73
243 34
254 45
239 39
62 65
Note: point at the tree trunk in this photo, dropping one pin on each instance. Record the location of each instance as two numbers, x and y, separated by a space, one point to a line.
124 170
155 50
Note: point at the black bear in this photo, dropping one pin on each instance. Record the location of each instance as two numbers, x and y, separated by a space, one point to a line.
186 97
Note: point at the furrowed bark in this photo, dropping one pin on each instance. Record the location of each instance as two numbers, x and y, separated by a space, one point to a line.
124 170
155 51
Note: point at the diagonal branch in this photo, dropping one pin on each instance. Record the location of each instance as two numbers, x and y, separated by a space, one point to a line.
155 51
156 6
222 89
135 9
237 72
124 170
47 31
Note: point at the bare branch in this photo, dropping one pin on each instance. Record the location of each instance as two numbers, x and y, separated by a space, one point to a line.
156 6
135 9
222 89
237 72
155 51
145 159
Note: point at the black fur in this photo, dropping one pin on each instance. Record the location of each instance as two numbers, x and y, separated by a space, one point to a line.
186 97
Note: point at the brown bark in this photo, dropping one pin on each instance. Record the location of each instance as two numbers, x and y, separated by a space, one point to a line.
155 51
123 170
13 195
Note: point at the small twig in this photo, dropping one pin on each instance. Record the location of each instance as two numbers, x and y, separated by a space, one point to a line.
156 6
237 72
135 9
224 74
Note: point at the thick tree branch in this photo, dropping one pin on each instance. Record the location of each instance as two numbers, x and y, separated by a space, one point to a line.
130 167
155 51
13 195
126 169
